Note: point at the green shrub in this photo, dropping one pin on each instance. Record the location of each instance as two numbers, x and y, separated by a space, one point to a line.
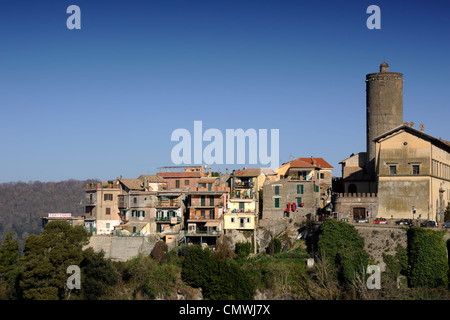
243 249
340 243
428 265
161 281
219 278
274 246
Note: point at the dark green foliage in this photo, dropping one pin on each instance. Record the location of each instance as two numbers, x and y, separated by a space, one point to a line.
243 249
97 274
219 278
46 258
197 266
274 246
340 243
9 255
397 264
427 258
9 258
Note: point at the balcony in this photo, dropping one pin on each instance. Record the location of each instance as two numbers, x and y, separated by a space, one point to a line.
202 233
168 203
90 202
171 220
244 184
122 202
250 196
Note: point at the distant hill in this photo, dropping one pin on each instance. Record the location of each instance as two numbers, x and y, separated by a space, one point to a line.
23 203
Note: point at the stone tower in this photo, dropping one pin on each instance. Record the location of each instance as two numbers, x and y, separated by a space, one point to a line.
384 108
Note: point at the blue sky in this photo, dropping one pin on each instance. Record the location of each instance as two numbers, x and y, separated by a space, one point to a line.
103 101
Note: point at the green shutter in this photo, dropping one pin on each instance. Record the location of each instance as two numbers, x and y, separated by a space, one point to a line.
277 202
299 200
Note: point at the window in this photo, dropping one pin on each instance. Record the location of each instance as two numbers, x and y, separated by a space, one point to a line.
202 200
415 169
108 210
242 206
277 189
232 220
211 214
202 214
392 169
133 213
134 199
277 202
108 226
107 196
177 183
186 182
299 201
202 185
211 200
322 175
299 189
248 220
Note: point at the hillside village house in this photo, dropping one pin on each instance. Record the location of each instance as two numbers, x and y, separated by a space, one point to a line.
206 205
303 187
170 212
247 184
137 205
243 204
102 206
181 177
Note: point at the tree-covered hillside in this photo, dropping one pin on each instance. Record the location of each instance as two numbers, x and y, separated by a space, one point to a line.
23 203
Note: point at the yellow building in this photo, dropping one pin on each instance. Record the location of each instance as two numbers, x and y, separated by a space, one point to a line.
241 214
413 173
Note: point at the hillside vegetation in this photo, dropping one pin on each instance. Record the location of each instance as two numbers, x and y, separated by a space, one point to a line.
23 203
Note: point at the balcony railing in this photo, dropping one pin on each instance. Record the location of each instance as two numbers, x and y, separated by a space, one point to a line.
168 219
242 195
201 232
243 184
90 202
169 204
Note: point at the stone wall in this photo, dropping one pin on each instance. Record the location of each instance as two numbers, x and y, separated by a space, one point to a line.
121 248
379 240
344 203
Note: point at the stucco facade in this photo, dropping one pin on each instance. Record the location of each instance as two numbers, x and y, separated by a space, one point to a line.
413 174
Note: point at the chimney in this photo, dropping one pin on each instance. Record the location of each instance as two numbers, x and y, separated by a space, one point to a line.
422 128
